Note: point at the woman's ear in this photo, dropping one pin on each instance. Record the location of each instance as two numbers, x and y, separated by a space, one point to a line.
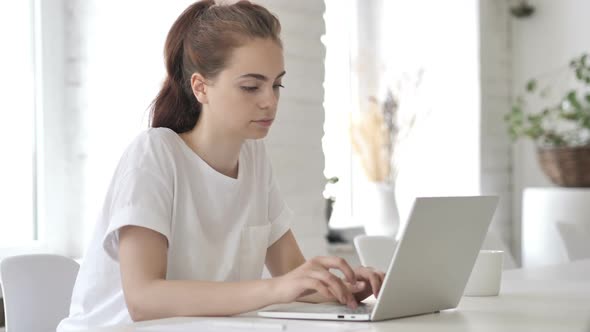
199 88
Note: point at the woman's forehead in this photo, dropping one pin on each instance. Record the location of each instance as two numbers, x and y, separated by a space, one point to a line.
258 56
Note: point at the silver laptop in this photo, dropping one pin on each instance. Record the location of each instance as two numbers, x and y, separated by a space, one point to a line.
429 269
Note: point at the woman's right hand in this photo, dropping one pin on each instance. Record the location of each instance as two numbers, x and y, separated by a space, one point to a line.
314 276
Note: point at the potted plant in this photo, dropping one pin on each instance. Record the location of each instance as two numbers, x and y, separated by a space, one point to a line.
371 142
560 129
333 236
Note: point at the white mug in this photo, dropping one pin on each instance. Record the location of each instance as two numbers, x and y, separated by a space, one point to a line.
486 275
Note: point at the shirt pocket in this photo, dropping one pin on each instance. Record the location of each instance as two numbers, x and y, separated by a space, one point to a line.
253 245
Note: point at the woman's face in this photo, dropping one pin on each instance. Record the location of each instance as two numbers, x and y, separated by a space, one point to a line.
242 100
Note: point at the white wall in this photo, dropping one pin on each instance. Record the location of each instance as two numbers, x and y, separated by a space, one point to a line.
495 73
295 139
556 32
112 69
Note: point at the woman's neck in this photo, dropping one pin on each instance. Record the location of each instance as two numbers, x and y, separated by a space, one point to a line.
220 152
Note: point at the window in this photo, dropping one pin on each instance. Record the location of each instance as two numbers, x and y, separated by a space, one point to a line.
18 180
373 44
339 104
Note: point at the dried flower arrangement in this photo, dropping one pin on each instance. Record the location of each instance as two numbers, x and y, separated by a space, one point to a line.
378 132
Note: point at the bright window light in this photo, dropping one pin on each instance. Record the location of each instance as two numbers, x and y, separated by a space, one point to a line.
367 49
17 131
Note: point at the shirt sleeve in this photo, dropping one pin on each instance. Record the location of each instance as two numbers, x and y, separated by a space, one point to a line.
279 213
141 198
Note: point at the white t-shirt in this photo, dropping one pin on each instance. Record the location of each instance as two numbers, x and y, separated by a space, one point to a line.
218 228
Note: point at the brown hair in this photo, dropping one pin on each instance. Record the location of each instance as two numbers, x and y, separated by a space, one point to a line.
201 40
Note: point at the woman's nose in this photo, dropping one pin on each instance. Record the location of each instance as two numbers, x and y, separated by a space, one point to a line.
270 99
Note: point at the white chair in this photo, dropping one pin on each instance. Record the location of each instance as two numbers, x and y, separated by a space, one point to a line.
375 250
555 225
576 239
37 291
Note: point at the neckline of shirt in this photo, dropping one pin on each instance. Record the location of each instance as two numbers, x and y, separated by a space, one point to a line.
213 172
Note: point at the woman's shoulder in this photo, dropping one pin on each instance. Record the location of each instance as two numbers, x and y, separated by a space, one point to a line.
153 140
155 135
151 148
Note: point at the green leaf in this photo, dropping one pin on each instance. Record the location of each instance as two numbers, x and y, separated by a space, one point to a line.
569 116
531 85
534 132
516 109
513 134
583 59
554 139
333 179
573 100
587 97
579 73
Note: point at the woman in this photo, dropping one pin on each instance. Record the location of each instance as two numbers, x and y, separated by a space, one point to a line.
193 211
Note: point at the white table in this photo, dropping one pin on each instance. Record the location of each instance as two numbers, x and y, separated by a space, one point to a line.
555 298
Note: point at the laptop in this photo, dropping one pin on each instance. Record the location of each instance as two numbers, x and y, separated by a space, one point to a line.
429 269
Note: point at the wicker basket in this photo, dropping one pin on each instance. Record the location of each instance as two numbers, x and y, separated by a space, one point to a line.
566 166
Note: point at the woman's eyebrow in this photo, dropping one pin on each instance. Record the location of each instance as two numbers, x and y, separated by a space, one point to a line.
260 76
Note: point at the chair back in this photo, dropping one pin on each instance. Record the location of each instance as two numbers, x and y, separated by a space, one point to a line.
37 291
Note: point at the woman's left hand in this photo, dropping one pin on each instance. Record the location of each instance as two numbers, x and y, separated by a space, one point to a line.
371 281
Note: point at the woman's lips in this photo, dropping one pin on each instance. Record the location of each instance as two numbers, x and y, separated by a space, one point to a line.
264 123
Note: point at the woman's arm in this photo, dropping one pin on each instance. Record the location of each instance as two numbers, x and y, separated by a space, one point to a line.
284 255
143 260
148 295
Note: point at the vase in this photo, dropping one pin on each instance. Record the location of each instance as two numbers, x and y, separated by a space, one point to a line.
566 166
379 211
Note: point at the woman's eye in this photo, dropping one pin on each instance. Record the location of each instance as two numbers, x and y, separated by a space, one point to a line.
249 88
276 86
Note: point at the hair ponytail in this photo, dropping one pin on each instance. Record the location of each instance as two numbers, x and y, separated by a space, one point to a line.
201 40
176 107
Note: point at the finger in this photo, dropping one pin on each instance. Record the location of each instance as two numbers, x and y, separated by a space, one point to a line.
316 285
337 263
375 283
359 286
373 279
327 280
379 273
334 284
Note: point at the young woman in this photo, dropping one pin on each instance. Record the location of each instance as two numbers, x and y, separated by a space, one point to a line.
193 211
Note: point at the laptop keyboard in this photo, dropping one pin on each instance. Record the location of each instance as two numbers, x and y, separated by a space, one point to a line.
361 309
335 309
